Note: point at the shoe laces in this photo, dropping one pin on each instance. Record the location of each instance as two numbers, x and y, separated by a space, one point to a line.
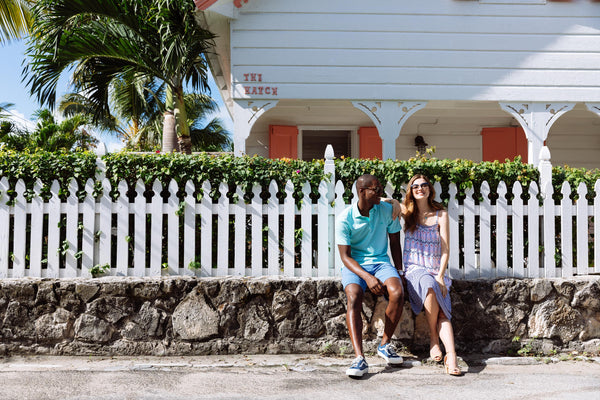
391 349
357 362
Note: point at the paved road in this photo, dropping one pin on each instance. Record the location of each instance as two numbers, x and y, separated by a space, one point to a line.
289 377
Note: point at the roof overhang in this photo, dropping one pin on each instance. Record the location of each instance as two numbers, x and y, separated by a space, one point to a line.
214 15
224 7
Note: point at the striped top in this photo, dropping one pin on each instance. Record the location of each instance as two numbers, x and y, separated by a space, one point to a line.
422 247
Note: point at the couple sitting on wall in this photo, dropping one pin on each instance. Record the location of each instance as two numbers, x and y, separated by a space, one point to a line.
362 232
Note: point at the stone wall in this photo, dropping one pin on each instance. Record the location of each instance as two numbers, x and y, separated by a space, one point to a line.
192 316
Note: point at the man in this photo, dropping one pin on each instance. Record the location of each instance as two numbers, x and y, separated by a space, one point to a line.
362 231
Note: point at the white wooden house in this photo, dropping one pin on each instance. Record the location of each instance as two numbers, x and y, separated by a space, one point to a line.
477 79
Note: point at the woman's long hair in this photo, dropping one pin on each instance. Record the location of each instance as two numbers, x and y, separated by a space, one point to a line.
412 213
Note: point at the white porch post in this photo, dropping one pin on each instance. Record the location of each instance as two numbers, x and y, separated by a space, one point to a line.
536 120
245 114
389 116
545 168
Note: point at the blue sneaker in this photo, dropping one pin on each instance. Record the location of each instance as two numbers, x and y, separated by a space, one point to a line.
388 353
358 368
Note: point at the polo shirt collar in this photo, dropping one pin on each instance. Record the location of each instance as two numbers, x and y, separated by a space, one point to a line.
357 211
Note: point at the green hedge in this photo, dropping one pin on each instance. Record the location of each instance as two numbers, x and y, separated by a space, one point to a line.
247 171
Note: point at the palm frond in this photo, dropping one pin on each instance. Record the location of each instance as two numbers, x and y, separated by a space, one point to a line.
15 19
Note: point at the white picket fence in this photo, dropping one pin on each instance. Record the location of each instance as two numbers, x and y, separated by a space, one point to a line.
57 238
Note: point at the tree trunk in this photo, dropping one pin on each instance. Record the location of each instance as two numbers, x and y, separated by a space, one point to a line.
169 142
183 129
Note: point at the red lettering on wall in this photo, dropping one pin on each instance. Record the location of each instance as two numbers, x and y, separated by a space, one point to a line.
260 90
257 90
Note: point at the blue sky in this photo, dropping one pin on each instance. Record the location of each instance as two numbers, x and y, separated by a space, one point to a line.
13 90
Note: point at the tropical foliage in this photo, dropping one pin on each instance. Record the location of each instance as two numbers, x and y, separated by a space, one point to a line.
15 19
247 171
105 41
49 134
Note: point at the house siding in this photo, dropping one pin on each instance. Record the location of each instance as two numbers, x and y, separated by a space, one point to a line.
434 50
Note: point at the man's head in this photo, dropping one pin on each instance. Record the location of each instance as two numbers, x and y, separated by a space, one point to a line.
369 190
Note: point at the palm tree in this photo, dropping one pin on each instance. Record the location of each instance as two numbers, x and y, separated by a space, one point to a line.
49 134
105 40
137 106
211 137
136 110
15 19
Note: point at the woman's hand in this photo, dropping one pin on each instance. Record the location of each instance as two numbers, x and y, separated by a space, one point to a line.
443 288
396 207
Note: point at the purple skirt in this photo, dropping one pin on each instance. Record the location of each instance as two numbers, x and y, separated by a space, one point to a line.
419 281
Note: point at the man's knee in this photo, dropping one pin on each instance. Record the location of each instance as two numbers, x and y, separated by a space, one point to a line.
354 294
394 289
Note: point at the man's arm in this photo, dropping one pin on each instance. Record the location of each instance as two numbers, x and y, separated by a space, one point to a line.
374 284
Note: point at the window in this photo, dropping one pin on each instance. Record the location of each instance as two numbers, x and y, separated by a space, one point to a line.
315 141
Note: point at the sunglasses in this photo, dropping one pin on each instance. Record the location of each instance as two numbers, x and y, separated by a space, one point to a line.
423 186
376 189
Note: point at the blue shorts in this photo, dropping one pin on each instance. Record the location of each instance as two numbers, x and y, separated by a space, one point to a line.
381 271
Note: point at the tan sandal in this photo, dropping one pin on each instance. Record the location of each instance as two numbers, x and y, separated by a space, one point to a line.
437 357
451 371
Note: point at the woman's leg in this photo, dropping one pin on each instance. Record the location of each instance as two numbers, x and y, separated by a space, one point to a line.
432 310
447 336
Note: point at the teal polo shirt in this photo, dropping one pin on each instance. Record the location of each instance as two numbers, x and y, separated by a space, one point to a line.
367 236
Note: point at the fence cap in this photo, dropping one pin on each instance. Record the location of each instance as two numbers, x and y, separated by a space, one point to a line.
101 149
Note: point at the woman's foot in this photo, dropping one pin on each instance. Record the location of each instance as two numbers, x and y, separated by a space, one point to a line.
451 364
435 353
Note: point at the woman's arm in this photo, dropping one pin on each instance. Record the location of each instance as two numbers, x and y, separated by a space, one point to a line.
398 209
445 247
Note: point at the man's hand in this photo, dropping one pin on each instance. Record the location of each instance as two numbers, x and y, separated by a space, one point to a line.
375 285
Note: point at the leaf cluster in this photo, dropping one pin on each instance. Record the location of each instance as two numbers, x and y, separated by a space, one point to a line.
47 167
248 171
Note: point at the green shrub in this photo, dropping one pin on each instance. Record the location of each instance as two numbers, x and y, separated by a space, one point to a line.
247 171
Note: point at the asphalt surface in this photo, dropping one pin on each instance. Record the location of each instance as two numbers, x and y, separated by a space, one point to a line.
292 377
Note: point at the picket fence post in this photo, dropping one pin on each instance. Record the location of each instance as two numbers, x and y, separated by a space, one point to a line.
67 236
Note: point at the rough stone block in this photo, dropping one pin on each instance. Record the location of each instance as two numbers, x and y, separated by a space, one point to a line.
540 289
193 319
555 319
90 328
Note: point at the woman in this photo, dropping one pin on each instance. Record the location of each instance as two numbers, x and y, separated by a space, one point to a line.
425 260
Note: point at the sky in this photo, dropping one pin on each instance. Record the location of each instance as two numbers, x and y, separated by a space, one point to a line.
13 90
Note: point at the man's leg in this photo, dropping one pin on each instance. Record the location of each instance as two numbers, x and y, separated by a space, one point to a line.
393 312
355 295
394 309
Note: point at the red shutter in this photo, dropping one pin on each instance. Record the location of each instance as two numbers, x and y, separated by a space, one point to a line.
283 141
522 146
370 144
502 143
